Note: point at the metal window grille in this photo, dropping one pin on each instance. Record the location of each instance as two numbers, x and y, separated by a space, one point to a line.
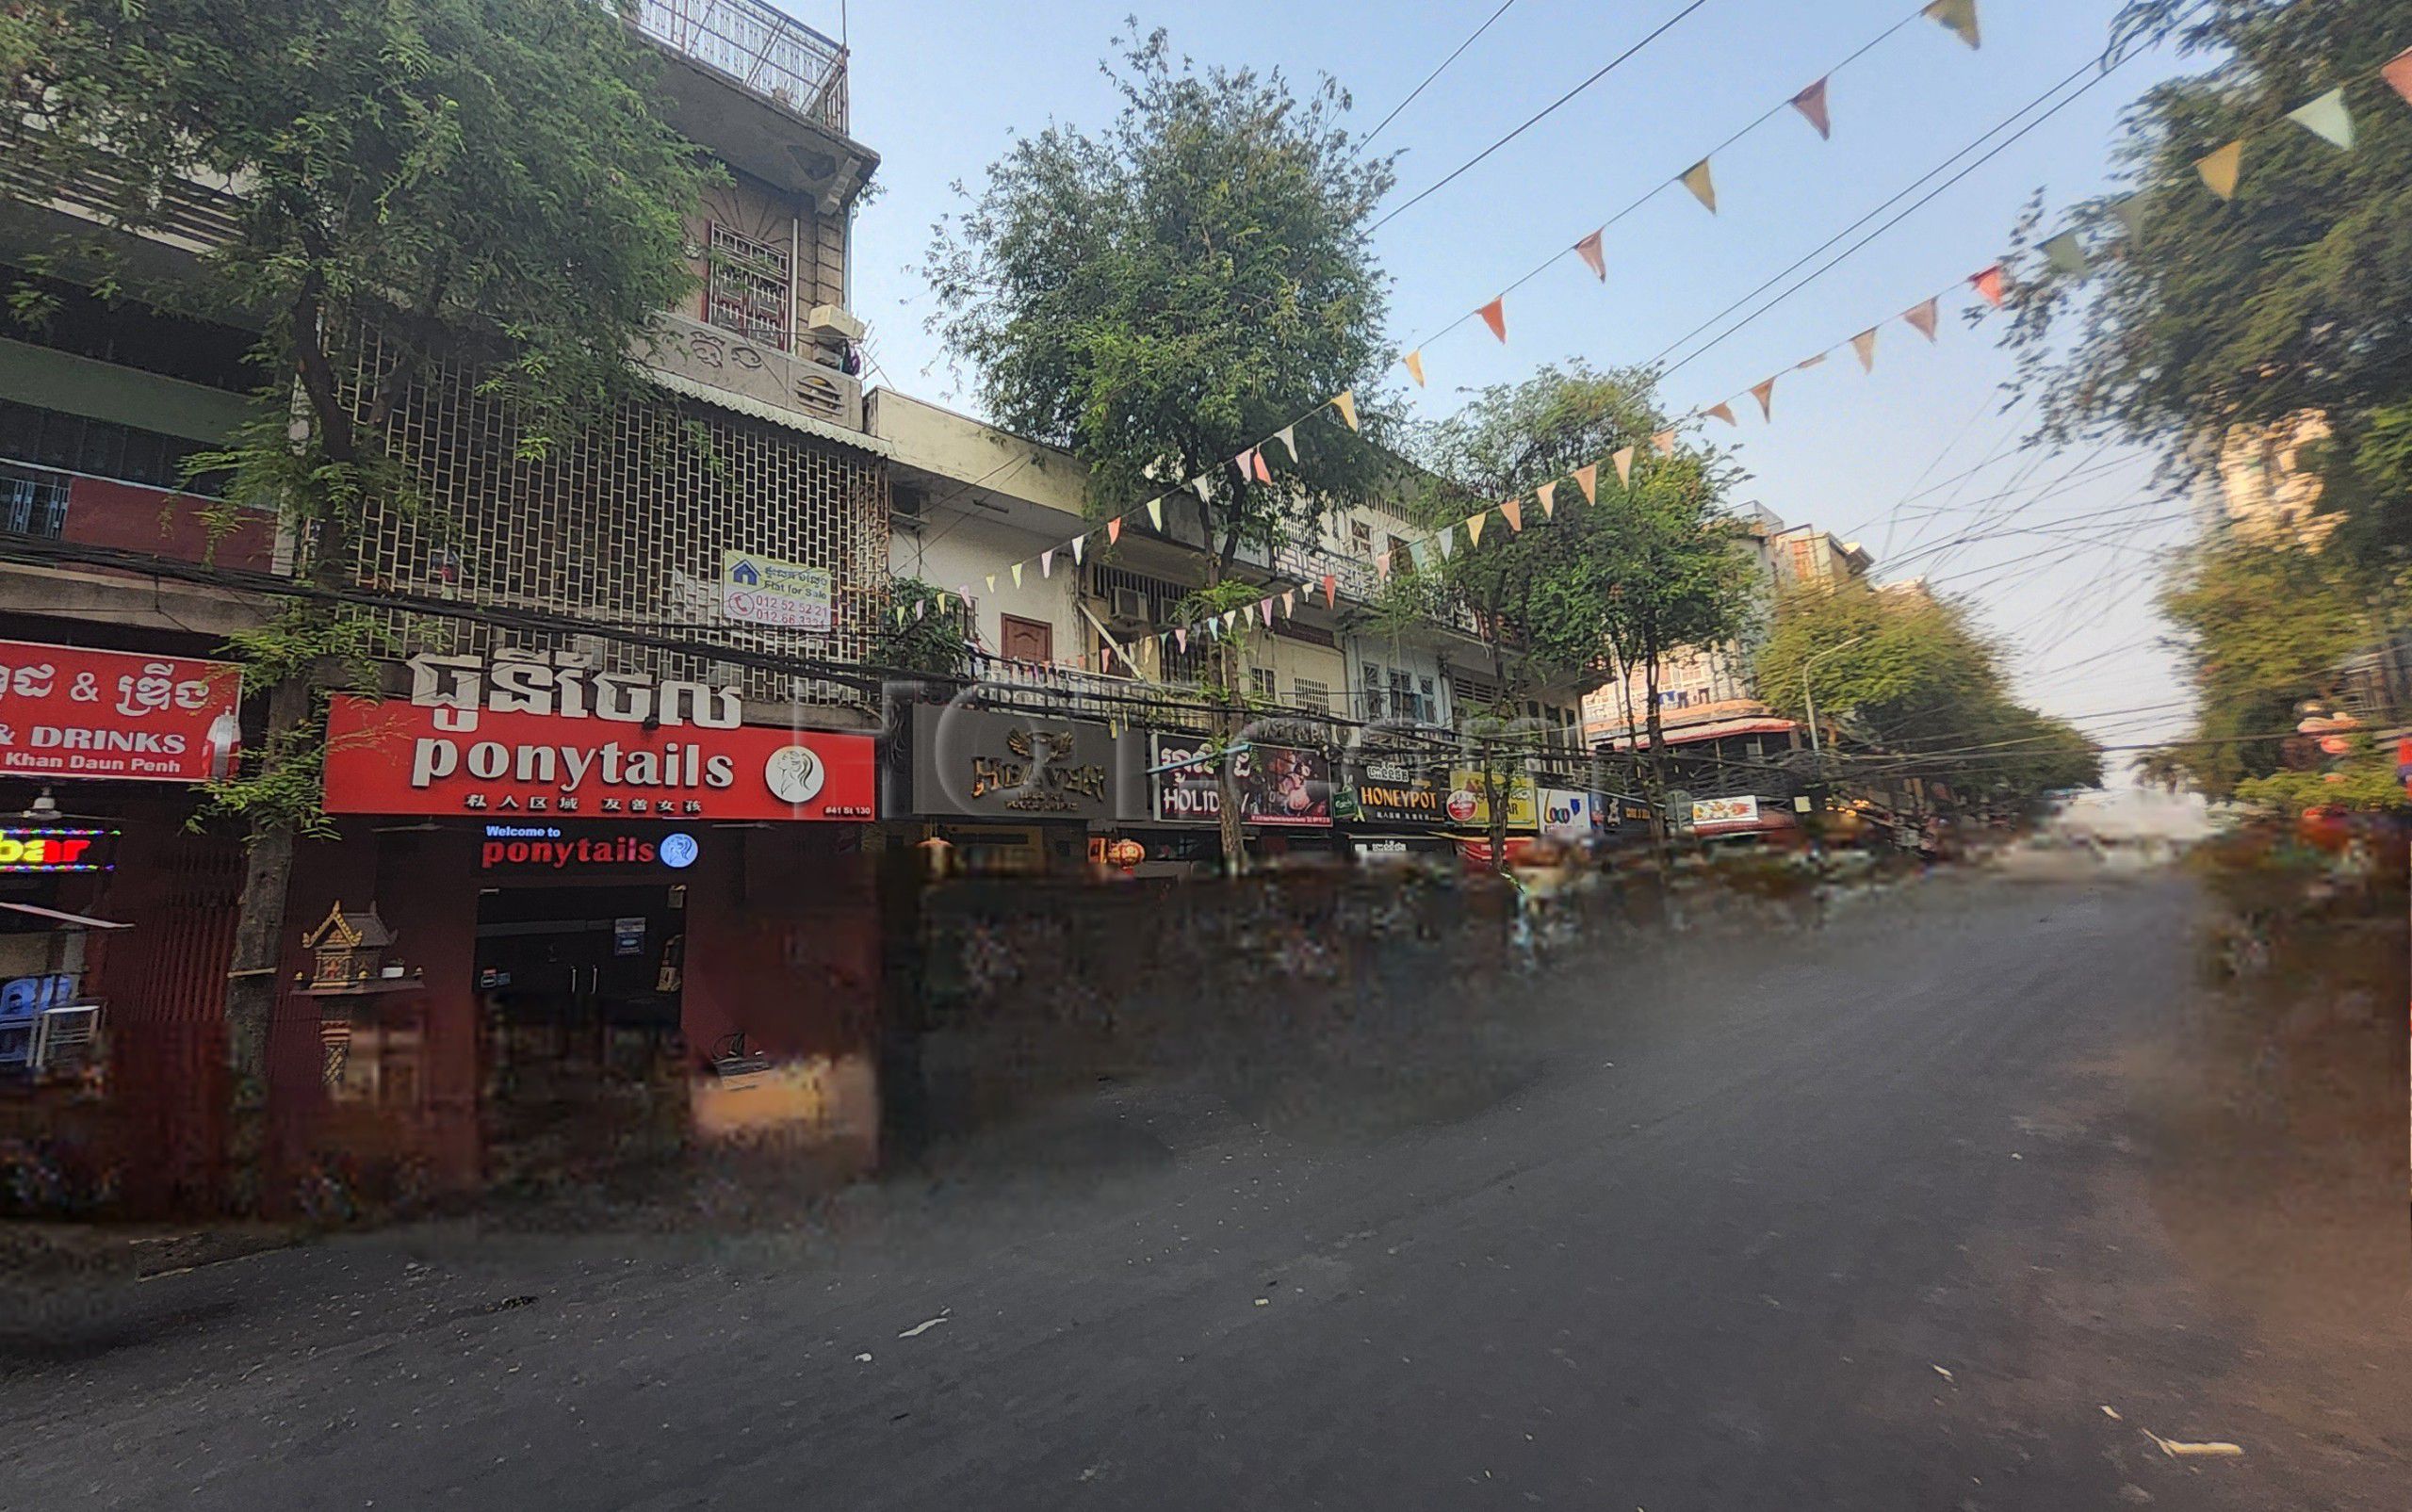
33 501
1309 693
747 287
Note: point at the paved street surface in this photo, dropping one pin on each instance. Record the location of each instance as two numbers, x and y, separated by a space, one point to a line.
1951 1205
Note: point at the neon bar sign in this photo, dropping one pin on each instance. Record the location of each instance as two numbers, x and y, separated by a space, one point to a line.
41 851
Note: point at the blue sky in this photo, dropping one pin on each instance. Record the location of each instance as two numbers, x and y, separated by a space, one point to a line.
940 88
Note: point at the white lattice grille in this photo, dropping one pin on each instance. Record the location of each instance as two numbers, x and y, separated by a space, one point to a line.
626 526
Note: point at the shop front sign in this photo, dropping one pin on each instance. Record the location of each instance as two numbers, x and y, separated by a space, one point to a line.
1279 785
66 712
1391 792
998 764
1468 805
516 737
521 849
1567 815
1725 813
45 851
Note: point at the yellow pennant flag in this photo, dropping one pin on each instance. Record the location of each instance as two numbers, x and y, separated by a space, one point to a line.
1623 459
1156 511
1957 16
1696 179
1586 478
992 583
1345 403
1547 494
1016 574
1473 526
2219 168
1414 362
1514 510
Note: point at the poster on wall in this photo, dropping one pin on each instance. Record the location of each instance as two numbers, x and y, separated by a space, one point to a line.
766 590
66 712
1399 793
1469 806
1279 785
1725 813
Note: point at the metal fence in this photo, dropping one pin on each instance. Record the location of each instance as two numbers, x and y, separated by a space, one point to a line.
771 54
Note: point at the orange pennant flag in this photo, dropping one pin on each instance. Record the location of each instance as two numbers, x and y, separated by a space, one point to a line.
1514 508
1765 393
1807 363
1696 179
1263 473
1664 442
1589 247
1988 285
1382 566
1586 478
1864 343
1810 103
1721 411
1345 403
2398 72
1114 529
1331 591
1414 363
1623 459
2219 168
1494 315
1922 317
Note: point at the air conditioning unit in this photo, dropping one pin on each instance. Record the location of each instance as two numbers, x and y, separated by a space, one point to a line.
1130 607
833 322
64 1038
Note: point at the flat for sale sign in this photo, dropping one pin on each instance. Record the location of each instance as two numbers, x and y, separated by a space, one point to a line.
66 712
766 590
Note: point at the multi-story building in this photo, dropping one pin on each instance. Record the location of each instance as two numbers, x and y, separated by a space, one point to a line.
604 835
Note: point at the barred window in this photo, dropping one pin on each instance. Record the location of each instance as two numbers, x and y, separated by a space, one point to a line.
1308 694
747 287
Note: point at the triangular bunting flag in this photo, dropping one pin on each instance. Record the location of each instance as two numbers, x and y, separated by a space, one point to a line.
1623 459
2130 213
1018 574
1180 638
1865 344
1922 317
1810 103
1448 542
1345 403
1807 363
921 607
2064 254
2218 169
1960 16
1264 608
1076 548
942 603
1245 462
1513 509
1764 391
1047 562
1988 285
1156 511
1696 179
1664 442
1414 363
1287 436
991 580
1289 603
2327 119
1420 553
2398 72
1494 315
1263 472
1201 488
1331 591
1382 565
1723 410
1473 526
1114 530
1547 494
1589 249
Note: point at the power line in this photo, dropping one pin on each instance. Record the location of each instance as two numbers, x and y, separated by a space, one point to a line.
1368 140
1551 109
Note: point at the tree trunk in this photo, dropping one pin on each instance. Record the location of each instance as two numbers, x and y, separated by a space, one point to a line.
1228 726
1661 821
1494 794
252 982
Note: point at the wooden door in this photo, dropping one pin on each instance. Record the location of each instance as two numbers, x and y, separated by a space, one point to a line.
1026 640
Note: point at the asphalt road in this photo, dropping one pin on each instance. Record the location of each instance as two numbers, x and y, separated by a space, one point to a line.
1950 1205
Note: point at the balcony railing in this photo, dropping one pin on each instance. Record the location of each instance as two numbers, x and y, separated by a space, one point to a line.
764 52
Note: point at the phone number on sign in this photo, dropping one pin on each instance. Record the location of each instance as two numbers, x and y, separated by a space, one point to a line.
766 609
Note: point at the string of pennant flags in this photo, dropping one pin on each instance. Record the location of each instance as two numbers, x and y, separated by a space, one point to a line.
1251 463
2328 116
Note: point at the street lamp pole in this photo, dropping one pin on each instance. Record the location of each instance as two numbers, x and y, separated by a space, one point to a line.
1809 697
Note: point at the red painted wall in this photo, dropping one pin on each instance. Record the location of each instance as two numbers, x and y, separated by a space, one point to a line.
127 515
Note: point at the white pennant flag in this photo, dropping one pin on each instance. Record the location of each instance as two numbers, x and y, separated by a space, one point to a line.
1288 439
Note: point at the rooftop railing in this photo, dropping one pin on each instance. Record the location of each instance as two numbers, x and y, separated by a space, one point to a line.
764 52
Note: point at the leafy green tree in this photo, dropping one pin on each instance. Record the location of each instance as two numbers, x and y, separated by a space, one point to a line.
1156 297
1914 675
483 184
2263 627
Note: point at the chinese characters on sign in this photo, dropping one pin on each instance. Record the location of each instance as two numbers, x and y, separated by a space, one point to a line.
70 712
766 590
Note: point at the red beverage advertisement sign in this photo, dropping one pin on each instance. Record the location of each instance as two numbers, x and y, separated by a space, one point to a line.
70 712
396 757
